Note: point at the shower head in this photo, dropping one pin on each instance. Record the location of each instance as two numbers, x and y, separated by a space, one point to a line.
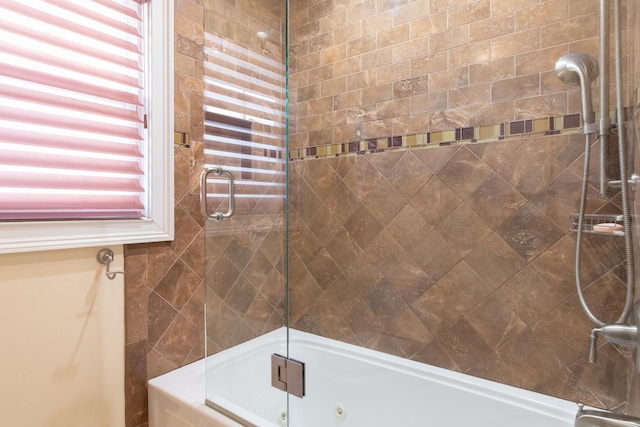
570 66
580 69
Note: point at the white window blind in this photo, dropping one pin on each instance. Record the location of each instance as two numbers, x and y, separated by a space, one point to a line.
71 109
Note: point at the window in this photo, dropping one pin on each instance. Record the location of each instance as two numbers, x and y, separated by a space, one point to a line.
86 115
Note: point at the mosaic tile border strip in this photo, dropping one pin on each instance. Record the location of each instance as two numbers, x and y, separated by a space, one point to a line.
568 124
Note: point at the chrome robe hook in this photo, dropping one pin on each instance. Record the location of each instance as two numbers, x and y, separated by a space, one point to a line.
105 257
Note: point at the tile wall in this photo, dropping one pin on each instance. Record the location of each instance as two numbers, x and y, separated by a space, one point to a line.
165 281
364 70
460 257
245 102
428 291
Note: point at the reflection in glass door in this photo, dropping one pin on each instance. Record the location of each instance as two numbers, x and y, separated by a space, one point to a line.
243 199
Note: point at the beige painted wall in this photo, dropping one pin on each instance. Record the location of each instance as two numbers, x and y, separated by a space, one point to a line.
62 335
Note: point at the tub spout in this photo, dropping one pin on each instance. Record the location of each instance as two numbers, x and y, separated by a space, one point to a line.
621 334
625 335
594 418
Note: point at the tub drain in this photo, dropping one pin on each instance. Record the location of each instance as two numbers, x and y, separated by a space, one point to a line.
339 411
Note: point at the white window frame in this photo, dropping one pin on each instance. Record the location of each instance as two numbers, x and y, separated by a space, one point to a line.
27 236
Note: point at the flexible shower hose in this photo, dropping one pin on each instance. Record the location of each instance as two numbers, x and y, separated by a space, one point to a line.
626 212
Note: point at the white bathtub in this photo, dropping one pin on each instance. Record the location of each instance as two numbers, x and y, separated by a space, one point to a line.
371 388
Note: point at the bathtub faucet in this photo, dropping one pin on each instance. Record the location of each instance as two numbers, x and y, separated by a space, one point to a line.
595 418
621 334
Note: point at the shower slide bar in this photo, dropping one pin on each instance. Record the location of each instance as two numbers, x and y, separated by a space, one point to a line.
604 122
581 69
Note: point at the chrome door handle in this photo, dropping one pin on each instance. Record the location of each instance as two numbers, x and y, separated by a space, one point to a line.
217 216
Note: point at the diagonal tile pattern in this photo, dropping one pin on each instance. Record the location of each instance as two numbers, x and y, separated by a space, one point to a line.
457 256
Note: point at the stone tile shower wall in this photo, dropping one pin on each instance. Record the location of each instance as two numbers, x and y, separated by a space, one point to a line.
459 257
245 255
364 70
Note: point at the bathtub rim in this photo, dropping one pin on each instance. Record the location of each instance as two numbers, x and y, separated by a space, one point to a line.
553 407
527 399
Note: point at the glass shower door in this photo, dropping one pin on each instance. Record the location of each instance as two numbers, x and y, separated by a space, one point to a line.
243 198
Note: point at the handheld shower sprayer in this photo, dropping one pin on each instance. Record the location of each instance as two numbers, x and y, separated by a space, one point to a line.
580 69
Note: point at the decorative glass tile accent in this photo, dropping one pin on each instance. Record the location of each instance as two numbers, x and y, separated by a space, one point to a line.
334 149
487 133
572 121
448 135
467 135
516 127
434 137
541 125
